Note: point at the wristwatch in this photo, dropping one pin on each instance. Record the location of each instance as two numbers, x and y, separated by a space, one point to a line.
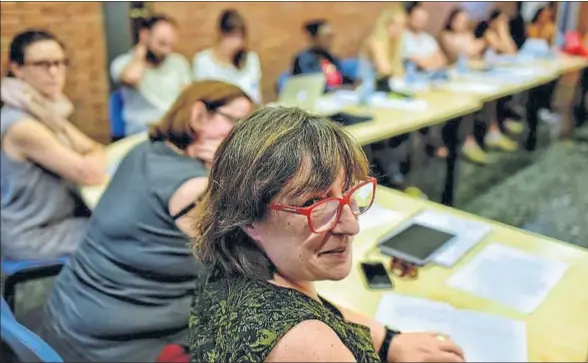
383 353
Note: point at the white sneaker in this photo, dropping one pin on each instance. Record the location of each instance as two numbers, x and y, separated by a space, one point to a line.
548 117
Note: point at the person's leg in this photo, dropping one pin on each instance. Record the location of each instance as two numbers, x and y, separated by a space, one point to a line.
451 139
580 113
495 139
545 94
510 113
387 160
532 119
470 148
433 142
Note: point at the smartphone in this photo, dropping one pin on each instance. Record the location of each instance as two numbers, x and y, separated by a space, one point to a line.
376 276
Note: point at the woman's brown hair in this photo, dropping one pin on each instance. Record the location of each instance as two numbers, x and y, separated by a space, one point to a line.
175 125
231 22
274 151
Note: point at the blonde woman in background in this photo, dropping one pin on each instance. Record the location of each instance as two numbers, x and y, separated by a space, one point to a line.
382 50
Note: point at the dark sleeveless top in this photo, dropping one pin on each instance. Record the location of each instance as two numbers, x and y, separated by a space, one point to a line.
242 320
127 290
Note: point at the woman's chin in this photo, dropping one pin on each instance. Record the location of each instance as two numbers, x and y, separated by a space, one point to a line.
337 272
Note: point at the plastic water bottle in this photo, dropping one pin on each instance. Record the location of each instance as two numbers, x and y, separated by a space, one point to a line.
411 73
368 83
462 63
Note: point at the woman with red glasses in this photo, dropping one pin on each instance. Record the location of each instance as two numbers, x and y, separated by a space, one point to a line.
280 212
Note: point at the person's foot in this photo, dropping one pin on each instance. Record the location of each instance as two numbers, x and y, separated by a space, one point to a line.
514 127
415 192
500 142
475 154
549 117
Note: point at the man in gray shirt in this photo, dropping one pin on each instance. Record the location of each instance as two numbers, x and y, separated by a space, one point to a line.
152 75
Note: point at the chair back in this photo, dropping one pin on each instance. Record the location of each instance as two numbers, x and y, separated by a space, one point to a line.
26 345
115 110
282 81
350 68
10 267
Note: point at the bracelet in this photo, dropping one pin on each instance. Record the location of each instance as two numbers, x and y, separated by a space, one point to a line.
383 353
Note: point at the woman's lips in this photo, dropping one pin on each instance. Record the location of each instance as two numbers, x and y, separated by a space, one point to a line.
333 251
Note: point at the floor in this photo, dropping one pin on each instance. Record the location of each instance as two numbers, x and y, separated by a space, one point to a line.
547 194
543 191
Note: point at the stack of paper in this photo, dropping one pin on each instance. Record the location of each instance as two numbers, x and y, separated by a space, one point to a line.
378 216
509 276
483 337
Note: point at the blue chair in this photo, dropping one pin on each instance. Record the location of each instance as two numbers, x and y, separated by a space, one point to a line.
282 81
26 345
115 113
16 272
350 68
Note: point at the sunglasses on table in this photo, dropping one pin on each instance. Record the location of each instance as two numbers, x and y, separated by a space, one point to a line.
324 215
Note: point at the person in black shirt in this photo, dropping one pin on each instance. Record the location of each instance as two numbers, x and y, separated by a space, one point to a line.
317 58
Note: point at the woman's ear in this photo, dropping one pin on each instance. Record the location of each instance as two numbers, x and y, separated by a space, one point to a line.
252 231
198 115
15 70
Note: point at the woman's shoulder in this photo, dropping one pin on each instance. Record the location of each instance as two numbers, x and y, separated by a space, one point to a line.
203 55
252 294
258 314
11 115
252 56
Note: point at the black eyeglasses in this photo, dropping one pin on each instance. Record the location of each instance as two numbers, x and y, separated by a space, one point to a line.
231 118
47 64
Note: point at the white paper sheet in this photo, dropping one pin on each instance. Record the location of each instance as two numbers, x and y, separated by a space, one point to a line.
477 88
343 98
483 337
378 216
383 101
509 276
467 234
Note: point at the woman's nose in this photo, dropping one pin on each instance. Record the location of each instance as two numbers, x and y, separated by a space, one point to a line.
347 224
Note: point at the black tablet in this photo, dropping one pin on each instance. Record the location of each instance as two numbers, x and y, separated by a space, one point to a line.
416 243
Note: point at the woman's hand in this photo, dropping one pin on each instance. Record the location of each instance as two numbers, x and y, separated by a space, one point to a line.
424 347
206 149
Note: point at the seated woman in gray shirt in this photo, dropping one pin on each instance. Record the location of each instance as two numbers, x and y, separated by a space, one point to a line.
42 154
127 290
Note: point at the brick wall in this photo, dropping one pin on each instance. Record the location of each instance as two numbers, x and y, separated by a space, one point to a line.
583 17
275 27
275 34
79 25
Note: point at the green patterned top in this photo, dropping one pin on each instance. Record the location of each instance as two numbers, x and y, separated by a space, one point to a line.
242 320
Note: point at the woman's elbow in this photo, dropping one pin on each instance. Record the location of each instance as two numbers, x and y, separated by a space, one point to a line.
92 170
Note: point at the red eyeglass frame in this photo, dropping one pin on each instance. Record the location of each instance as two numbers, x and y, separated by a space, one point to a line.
307 211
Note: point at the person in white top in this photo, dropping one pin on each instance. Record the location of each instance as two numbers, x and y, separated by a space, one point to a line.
152 75
419 46
229 60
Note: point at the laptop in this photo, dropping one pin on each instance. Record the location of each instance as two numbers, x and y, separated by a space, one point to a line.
303 91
